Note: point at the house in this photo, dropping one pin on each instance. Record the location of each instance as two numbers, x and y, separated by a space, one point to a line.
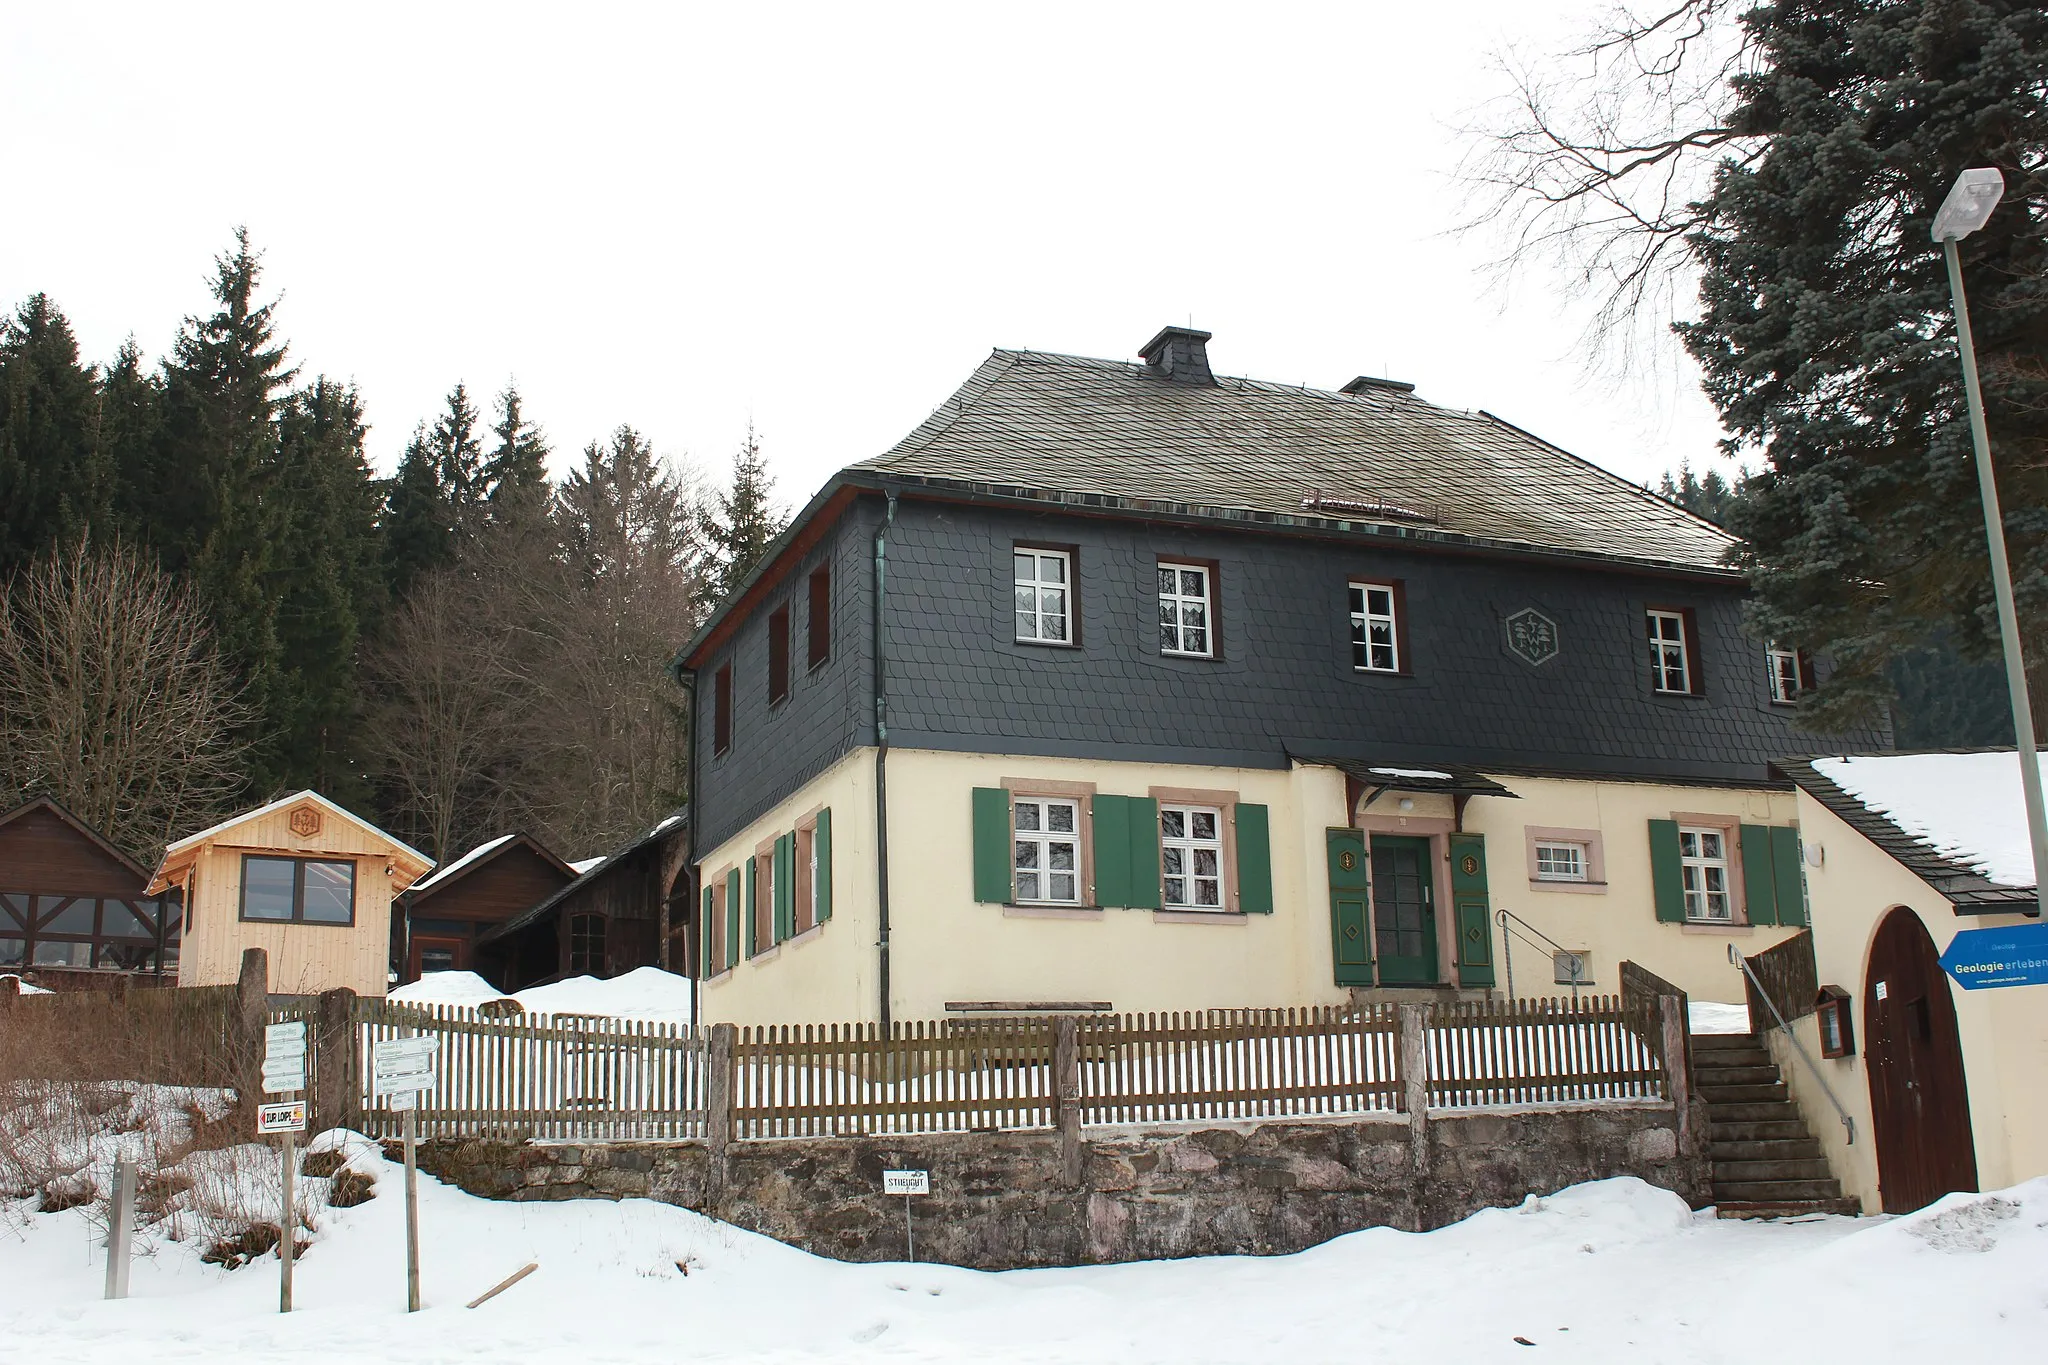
441 916
619 914
301 878
1127 685
1905 853
74 912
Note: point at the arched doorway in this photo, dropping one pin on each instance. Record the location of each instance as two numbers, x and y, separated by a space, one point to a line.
1919 1099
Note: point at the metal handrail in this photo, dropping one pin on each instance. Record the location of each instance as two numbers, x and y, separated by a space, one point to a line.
1508 949
1735 956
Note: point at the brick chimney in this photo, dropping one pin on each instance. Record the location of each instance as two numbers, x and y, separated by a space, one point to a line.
1180 354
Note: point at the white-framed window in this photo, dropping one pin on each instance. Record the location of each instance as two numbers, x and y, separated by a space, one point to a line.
1570 968
1703 864
1047 860
1191 857
1044 580
1783 665
1375 628
1185 610
1559 861
1669 666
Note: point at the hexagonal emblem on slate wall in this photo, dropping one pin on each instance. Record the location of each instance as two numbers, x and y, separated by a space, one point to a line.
1532 637
305 821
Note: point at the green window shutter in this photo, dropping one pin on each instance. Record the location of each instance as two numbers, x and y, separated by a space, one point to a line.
1790 878
1143 815
1667 880
785 886
992 851
821 853
1471 909
1254 860
754 944
732 917
1110 821
1759 881
705 967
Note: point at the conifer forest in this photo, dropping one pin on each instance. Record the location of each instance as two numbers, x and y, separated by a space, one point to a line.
211 598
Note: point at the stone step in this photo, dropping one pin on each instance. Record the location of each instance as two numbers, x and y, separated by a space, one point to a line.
1745 1172
1716 1042
1718 1095
1780 1129
1719 1075
1799 1148
1790 1208
1766 1111
1774 1191
1708 1061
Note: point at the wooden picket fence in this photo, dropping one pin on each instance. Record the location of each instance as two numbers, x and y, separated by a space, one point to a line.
586 1078
1553 1051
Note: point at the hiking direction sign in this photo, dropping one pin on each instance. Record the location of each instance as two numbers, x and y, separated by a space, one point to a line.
2009 955
403 1066
284 1057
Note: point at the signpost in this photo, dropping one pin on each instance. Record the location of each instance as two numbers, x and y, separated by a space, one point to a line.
284 1072
2010 955
401 1069
907 1184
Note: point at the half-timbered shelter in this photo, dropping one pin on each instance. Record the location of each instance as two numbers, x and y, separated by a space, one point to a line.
75 911
440 918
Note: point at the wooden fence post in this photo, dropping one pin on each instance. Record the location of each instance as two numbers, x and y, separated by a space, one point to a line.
252 1013
1066 1098
339 1094
1678 1086
718 1078
1415 1086
10 991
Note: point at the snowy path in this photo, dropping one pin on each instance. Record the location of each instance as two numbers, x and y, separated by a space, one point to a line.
1604 1273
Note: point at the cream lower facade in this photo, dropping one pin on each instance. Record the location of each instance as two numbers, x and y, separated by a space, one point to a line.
953 956
2004 1032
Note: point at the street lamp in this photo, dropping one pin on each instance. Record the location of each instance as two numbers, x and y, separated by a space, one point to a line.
1965 210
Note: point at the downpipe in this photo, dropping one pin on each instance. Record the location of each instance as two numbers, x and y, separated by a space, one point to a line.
882 759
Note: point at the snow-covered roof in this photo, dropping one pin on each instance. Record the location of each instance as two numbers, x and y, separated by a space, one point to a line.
1959 813
583 865
443 873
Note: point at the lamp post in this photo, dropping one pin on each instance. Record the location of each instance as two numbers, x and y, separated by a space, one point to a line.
1965 210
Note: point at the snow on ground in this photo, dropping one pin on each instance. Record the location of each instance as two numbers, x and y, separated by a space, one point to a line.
21 985
1608 1272
1709 1016
1969 806
645 993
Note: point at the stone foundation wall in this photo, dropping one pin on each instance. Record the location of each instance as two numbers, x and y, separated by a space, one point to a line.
1005 1200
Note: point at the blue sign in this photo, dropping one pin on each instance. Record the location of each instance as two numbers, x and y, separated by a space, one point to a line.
2016 955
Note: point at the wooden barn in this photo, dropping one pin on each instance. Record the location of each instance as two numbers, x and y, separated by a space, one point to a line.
621 914
442 916
74 910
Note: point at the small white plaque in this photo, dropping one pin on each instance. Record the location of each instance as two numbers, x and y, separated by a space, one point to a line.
1883 991
906 1182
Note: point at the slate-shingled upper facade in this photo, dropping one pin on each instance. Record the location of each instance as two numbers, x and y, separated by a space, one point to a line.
1287 495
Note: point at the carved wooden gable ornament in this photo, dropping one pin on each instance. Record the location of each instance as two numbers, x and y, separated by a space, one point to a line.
305 821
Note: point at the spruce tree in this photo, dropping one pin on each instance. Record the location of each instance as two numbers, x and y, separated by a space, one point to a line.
54 480
1708 496
737 526
329 588
1828 342
517 470
459 454
417 535
128 428
211 482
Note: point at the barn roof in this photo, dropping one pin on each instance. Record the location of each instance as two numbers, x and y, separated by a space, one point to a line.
675 820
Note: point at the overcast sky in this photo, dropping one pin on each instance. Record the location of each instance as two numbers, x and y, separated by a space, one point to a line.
819 218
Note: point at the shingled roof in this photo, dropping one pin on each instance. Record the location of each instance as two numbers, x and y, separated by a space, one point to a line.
1373 454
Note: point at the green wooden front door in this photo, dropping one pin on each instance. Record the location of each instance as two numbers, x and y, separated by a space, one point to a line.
1350 930
1404 911
1471 913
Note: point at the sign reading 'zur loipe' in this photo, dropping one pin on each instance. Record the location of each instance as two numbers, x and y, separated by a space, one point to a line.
2010 955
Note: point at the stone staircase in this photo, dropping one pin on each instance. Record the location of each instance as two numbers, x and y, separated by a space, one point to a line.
1766 1163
